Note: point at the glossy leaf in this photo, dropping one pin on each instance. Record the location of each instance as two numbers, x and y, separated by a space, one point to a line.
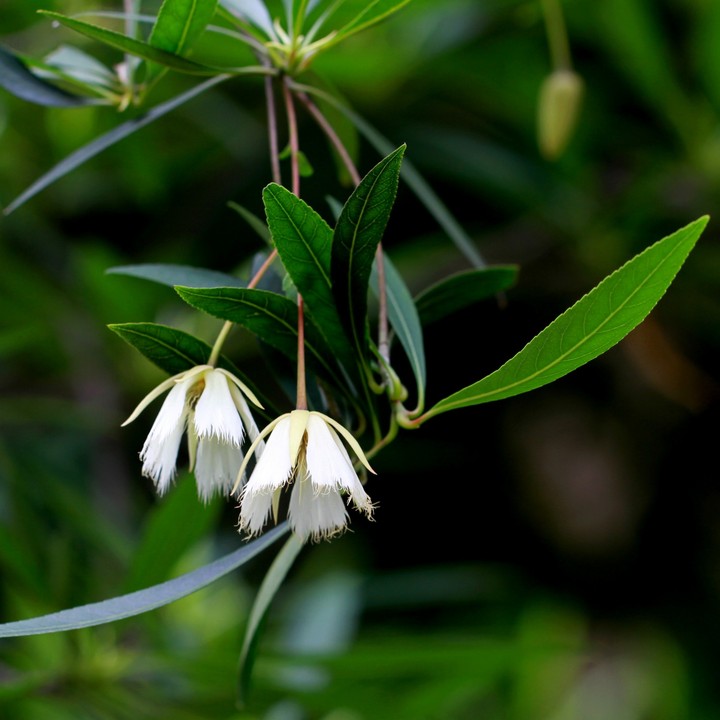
463 289
105 141
594 324
268 589
142 601
304 241
17 79
272 317
358 233
180 22
404 320
171 350
172 275
132 46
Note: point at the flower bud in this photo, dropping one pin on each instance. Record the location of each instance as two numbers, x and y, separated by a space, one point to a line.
558 110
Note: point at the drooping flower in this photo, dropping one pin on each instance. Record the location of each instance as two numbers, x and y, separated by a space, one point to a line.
210 404
304 447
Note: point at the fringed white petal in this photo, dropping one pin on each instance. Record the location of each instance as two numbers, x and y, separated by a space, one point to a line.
315 516
215 413
255 511
275 467
216 467
159 453
328 463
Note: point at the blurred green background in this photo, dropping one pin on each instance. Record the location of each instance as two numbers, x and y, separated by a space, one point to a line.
551 557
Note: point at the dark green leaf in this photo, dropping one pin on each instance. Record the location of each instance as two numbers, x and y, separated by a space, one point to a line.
272 317
171 350
458 291
95 147
405 322
175 351
132 46
303 240
142 601
268 589
594 324
17 79
258 225
173 275
358 233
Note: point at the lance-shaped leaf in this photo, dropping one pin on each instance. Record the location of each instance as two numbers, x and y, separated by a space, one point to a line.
142 601
594 324
17 79
179 23
463 289
272 317
358 233
105 141
304 242
405 322
172 275
134 47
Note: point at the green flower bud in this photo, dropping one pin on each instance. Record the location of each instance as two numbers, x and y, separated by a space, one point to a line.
558 110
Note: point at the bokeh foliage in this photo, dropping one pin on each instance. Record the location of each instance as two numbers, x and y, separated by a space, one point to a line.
551 557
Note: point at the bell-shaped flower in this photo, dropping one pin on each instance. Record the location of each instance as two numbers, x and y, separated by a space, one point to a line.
304 448
210 404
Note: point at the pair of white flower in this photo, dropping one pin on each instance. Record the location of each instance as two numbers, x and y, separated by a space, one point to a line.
303 446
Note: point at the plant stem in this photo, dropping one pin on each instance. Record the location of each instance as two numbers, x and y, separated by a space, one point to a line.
329 130
557 35
301 402
272 130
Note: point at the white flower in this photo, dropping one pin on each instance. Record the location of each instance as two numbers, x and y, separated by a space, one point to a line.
209 402
305 447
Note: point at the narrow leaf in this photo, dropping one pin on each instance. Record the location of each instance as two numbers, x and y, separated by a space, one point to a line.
175 351
463 289
180 22
594 324
105 141
258 225
372 13
358 233
142 601
253 12
268 589
304 242
173 275
272 317
405 322
132 46
17 79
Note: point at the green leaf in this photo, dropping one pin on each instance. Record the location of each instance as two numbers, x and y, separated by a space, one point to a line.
304 242
172 275
171 350
253 12
272 317
268 589
405 321
462 289
134 47
105 141
594 324
180 22
258 225
358 233
17 79
142 601
175 351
